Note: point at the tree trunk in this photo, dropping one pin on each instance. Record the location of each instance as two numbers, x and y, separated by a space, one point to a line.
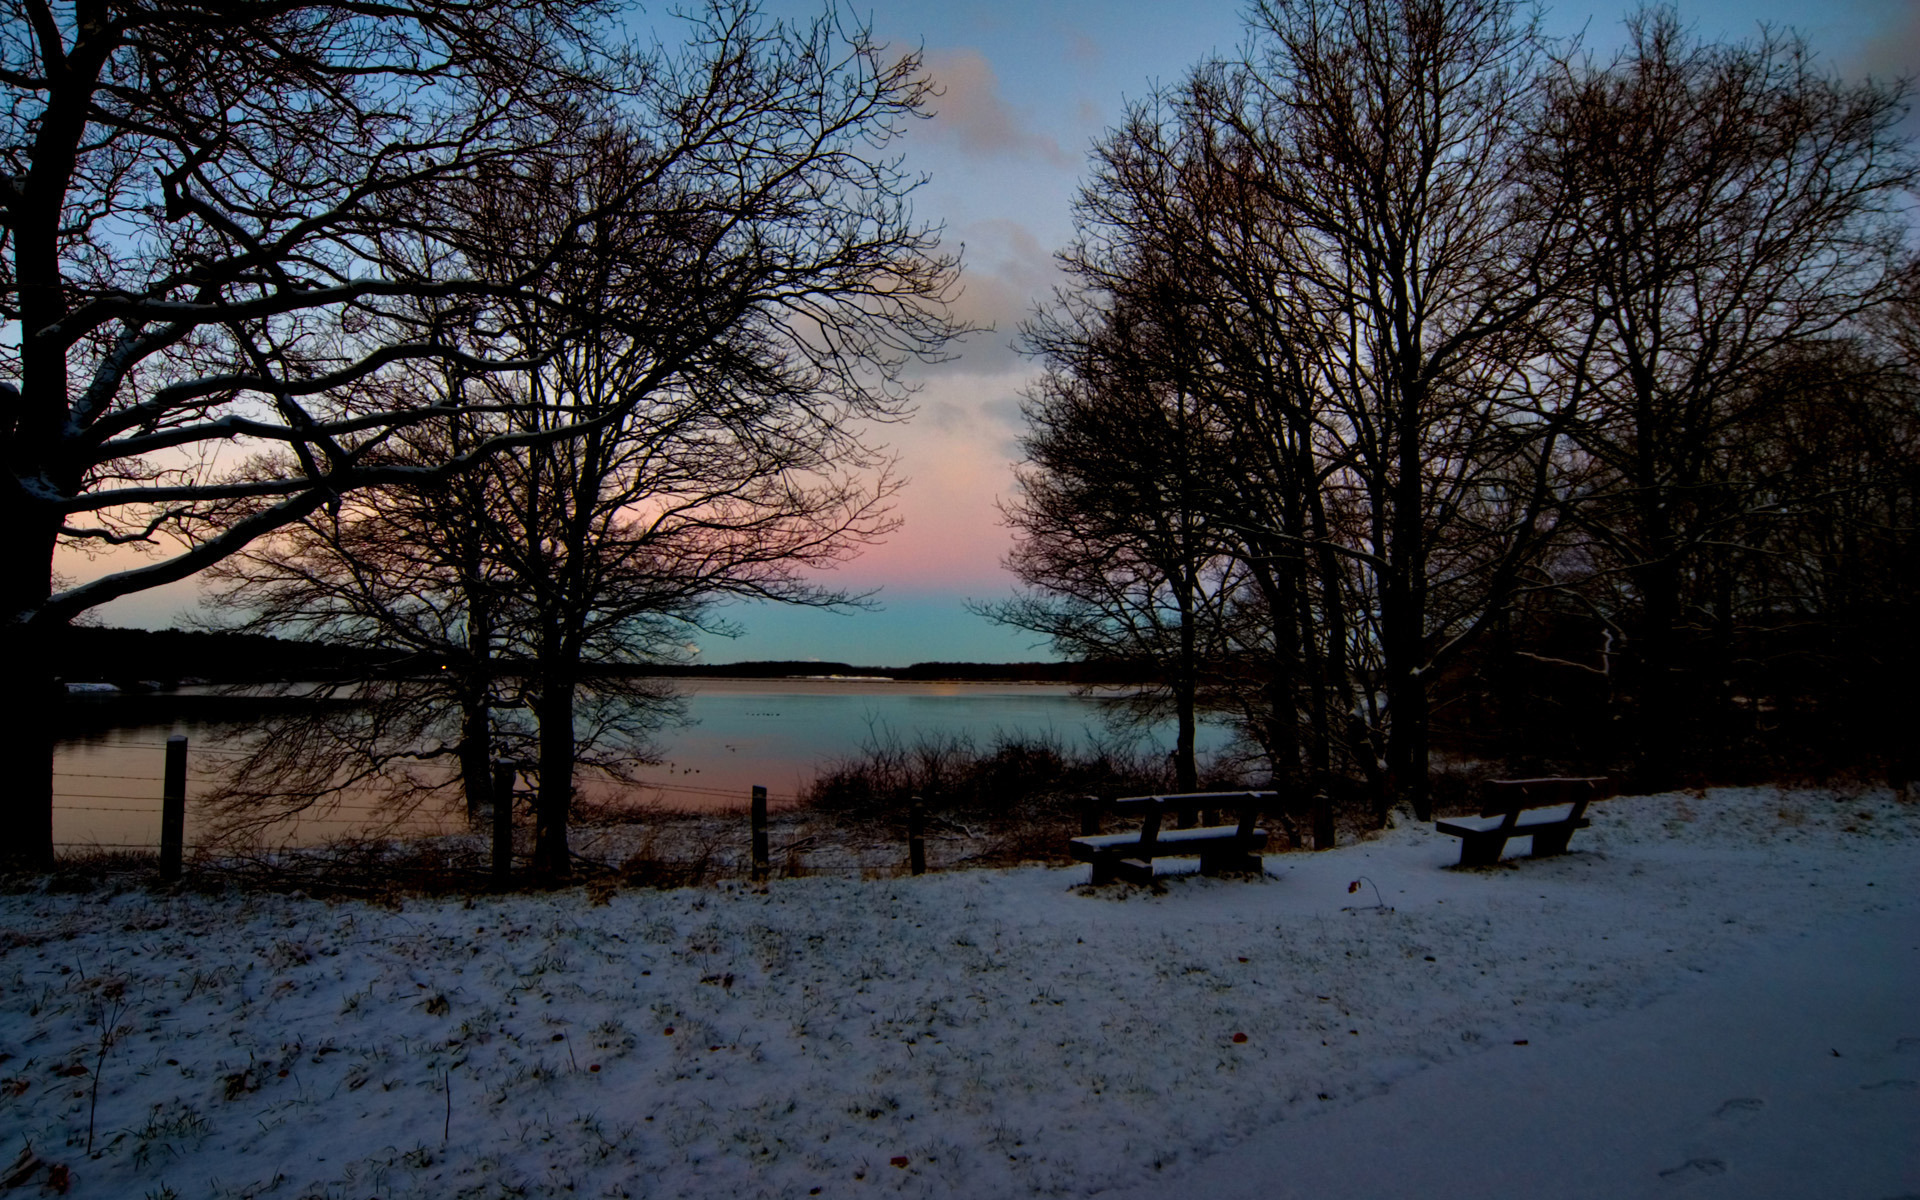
1186 773
1280 728
32 652
1660 689
1404 601
1349 727
34 440
476 756
552 859
26 811
476 711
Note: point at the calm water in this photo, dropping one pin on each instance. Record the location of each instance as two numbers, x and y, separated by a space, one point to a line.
772 733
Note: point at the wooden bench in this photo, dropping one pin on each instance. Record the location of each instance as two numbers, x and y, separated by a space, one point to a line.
1484 838
1223 849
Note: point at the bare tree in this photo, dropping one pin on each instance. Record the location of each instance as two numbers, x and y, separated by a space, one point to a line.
235 224
1731 207
702 440
1412 269
1118 526
210 215
1339 227
1175 225
404 571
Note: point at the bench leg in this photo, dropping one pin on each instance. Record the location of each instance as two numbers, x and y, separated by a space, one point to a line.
1105 868
1133 871
1551 841
1481 851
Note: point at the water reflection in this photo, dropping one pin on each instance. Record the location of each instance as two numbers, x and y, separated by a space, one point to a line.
772 733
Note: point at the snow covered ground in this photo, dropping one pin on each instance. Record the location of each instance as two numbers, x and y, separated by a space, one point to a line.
1716 995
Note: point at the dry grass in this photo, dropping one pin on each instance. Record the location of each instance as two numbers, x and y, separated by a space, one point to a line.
1007 803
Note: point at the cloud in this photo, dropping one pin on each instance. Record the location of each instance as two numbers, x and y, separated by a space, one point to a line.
1082 49
1892 47
973 115
1008 269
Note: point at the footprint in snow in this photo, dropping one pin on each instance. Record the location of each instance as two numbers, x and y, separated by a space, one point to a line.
1694 1168
1907 1044
1741 1109
1891 1085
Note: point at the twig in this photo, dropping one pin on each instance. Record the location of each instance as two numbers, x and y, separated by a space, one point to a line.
446 1130
109 1018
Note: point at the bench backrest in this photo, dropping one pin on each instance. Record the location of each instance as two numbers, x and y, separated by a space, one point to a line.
1246 804
1509 797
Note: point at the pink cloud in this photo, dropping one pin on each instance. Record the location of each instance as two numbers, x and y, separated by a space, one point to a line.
972 113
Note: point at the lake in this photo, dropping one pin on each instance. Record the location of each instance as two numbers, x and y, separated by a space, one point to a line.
771 733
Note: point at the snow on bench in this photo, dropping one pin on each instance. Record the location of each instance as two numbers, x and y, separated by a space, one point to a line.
1553 808
1223 849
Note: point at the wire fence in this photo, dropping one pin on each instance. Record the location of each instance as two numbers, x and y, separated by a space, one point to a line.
92 793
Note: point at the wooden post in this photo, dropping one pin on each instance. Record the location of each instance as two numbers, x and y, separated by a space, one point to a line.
1287 809
173 808
762 861
916 836
1090 807
504 776
1322 821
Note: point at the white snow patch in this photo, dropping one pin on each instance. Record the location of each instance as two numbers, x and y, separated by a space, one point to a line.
1001 1033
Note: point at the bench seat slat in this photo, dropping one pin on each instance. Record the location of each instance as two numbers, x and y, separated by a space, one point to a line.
1554 815
1168 837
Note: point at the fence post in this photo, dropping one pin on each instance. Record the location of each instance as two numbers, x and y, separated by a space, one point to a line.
503 779
173 808
762 861
917 836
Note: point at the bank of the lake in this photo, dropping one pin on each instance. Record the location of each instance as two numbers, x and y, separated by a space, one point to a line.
740 733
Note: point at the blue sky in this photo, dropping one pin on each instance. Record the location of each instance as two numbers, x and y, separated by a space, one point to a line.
1027 88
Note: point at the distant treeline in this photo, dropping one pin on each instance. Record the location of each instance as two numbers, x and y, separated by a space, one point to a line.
131 657
1021 672
135 657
